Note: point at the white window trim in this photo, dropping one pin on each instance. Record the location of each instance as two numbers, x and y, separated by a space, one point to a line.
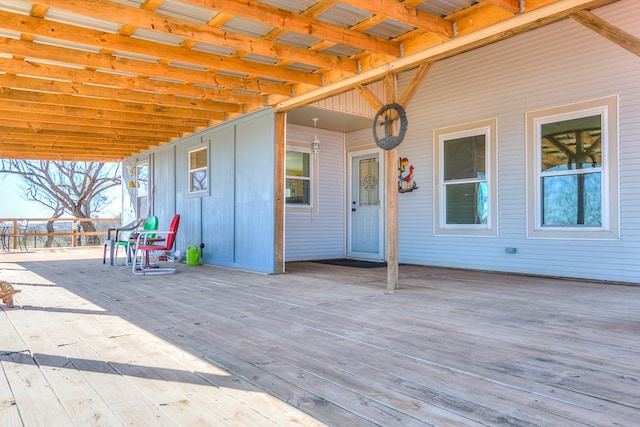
140 164
489 129
305 147
206 191
608 108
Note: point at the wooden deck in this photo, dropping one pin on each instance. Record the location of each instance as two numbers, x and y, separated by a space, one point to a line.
90 344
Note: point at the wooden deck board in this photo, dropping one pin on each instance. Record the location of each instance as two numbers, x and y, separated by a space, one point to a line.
82 402
319 345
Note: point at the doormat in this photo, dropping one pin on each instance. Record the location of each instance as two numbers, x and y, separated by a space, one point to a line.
344 262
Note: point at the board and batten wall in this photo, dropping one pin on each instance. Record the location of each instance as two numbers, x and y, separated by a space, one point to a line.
560 64
235 219
319 233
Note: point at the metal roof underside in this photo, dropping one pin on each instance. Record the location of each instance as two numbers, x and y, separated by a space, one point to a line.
103 80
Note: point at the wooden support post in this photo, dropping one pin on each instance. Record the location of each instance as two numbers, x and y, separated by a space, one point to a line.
280 156
392 219
391 189
15 233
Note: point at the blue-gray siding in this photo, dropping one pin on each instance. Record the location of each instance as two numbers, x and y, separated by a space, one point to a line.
235 219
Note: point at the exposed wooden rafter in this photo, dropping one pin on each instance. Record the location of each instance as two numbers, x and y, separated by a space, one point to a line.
602 27
100 79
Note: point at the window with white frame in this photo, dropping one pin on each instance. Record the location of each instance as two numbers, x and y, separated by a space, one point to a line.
301 189
298 180
142 190
574 178
465 194
198 171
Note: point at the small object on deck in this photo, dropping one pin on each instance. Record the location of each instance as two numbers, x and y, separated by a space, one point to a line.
193 255
7 292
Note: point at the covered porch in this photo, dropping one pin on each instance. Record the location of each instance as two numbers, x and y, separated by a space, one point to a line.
91 344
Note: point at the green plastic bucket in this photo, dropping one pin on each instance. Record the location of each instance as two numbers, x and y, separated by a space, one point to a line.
193 255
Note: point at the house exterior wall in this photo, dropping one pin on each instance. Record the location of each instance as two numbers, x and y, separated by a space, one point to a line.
235 219
319 233
352 102
560 64
563 63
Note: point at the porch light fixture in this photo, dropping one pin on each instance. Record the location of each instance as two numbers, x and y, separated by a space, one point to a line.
315 144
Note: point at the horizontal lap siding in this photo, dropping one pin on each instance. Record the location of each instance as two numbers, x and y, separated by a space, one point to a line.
321 234
556 65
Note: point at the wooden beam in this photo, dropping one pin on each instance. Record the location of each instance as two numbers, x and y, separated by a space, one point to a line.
512 6
33 125
370 97
166 24
478 16
19 118
24 109
391 190
87 155
65 142
81 132
406 14
47 71
516 25
116 42
54 147
107 104
414 84
127 66
280 18
608 31
125 95
279 199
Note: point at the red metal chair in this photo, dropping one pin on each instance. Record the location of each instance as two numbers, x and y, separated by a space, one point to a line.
149 241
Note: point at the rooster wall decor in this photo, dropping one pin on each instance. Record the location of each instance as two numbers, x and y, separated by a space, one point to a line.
406 183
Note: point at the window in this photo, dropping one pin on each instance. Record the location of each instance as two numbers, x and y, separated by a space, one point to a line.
142 190
465 192
298 183
571 172
574 184
198 168
301 178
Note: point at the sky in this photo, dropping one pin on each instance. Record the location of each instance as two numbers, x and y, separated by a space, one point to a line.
12 205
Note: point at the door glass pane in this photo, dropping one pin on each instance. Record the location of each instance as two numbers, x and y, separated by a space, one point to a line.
369 182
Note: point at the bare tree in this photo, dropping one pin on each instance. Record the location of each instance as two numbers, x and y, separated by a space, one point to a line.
76 188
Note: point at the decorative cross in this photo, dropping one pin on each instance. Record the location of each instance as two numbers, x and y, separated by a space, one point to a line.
387 122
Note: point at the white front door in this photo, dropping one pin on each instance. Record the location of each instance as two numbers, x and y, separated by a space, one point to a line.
365 216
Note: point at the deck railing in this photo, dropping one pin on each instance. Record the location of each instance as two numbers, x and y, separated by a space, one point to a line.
67 232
